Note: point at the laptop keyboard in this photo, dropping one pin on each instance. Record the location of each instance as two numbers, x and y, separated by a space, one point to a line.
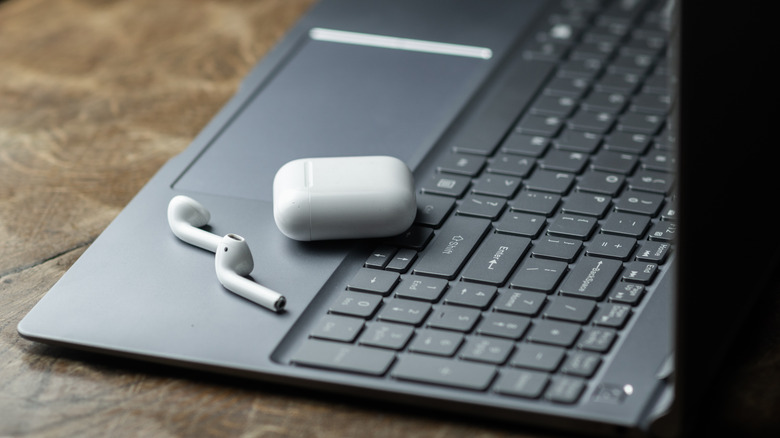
528 257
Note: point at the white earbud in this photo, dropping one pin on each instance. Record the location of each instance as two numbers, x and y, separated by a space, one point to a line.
233 260
185 215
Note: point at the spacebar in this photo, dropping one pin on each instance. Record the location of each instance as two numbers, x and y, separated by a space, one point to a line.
445 372
451 246
497 111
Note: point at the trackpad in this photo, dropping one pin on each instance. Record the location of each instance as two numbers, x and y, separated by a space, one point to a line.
336 99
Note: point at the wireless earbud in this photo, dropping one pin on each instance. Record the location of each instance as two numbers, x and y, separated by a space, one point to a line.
233 260
185 215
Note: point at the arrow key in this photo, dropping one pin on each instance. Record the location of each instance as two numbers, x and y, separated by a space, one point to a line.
374 281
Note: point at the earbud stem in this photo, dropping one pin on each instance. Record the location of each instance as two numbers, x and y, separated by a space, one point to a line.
252 291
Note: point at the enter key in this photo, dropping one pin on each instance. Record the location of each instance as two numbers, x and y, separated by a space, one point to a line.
496 258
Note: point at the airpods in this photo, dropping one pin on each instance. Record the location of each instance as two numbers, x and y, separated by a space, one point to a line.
233 260
185 215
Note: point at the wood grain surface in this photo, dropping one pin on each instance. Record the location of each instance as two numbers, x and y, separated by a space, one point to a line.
94 97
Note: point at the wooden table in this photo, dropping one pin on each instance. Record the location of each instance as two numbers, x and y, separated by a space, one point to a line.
94 97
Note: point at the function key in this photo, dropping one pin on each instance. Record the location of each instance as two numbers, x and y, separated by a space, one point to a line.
462 164
530 145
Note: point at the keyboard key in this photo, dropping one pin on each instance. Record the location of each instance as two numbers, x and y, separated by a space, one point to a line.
546 126
374 281
620 83
573 226
519 302
651 181
597 122
564 161
581 364
343 357
550 181
451 246
601 182
440 371
640 272
537 357
625 224
356 304
570 309
447 185
614 162
539 275
629 143
611 246
462 164
338 328
485 349
513 165
560 106
421 288
612 315
404 311
551 332
495 258
626 293
480 206
654 251
544 204
380 257
384 335
577 141
591 277
470 295
607 102
521 383
503 325
432 209
587 204
596 339
496 185
573 88
639 202
455 318
556 248
416 237
436 342
521 224
529 145
640 123
402 260
565 389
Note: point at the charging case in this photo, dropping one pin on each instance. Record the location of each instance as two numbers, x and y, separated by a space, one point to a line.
344 198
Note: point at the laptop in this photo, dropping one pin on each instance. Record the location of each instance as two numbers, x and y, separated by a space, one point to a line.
592 170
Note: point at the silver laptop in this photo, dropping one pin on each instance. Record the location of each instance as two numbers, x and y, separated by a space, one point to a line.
582 252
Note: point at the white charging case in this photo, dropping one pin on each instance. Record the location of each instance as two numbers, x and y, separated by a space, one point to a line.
344 198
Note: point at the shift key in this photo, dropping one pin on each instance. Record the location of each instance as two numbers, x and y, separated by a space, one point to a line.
451 247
